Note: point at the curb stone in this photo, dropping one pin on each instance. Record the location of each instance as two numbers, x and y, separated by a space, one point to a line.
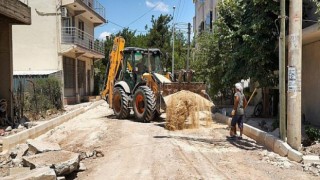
21 137
268 140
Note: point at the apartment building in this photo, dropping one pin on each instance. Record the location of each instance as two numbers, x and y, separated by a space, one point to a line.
205 15
12 13
60 42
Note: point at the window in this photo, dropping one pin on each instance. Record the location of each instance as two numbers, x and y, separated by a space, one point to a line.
68 72
66 24
81 29
90 44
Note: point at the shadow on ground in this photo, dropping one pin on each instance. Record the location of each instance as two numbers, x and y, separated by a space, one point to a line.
245 144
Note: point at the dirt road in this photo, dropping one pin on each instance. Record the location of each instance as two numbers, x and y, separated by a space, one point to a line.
134 150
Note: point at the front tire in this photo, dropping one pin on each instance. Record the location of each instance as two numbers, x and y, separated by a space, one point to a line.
144 104
120 103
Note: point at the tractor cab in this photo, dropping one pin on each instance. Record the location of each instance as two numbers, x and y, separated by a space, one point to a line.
154 60
134 65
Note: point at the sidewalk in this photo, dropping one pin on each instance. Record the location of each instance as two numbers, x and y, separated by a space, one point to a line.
21 137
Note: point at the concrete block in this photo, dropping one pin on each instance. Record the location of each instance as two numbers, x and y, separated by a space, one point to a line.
246 129
295 155
255 134
308 159
18 170
281 148
63 162
36 174
42 146
269 141
61 178
261 136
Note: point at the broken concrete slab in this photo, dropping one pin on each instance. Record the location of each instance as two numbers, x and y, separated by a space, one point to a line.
309 159
82 167
42 146
17 170
44 173
61 178
63 162
9 128
19 151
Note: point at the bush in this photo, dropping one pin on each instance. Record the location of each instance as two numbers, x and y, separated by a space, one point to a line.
42 95
313 133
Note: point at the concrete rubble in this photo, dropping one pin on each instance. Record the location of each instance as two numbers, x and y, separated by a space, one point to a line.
19 151
44 173
82 167
274 159
36 146
49 156
17 170
63 162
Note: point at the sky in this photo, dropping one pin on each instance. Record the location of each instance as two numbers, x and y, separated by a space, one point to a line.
136 14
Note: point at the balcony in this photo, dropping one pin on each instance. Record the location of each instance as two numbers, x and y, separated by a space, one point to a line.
95 6
90 9
85 41
16 11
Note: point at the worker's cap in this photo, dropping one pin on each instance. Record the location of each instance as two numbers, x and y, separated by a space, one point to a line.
239 86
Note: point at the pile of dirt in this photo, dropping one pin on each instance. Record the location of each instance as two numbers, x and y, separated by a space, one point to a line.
184 110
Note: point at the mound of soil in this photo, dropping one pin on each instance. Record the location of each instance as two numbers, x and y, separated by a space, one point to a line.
183 110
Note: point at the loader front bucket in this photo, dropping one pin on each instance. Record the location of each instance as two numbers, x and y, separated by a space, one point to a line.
173 87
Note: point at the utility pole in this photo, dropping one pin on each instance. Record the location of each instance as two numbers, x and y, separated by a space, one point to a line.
173 43
294 74
189 34
282 71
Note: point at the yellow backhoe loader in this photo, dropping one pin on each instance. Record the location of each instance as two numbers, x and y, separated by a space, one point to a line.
136 80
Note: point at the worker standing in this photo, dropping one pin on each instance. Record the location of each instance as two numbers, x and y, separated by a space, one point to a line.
240 102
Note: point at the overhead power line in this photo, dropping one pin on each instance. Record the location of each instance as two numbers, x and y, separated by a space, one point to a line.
144 14
122 27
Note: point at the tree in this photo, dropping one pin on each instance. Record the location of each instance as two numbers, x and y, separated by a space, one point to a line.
243 45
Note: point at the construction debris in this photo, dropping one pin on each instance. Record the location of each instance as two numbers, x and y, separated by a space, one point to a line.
63 162
19 151
82 167
36 174
36 146
183 110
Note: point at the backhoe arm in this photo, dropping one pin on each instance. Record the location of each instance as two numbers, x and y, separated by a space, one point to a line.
116 56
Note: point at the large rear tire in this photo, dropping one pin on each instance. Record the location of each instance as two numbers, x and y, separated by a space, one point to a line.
144 104
120 103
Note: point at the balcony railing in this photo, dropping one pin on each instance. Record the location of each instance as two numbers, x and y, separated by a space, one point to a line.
96 6
72 35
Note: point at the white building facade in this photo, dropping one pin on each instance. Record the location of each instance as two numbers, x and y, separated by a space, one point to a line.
61 42
205 15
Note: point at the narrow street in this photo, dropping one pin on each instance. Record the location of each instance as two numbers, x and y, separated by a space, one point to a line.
134 150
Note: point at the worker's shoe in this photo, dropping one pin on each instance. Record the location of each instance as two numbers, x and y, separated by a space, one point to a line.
232 137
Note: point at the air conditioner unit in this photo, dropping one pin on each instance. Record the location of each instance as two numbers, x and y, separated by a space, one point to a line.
64 12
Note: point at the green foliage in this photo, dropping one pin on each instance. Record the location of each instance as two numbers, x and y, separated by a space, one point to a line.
313 133
243 45
42 95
